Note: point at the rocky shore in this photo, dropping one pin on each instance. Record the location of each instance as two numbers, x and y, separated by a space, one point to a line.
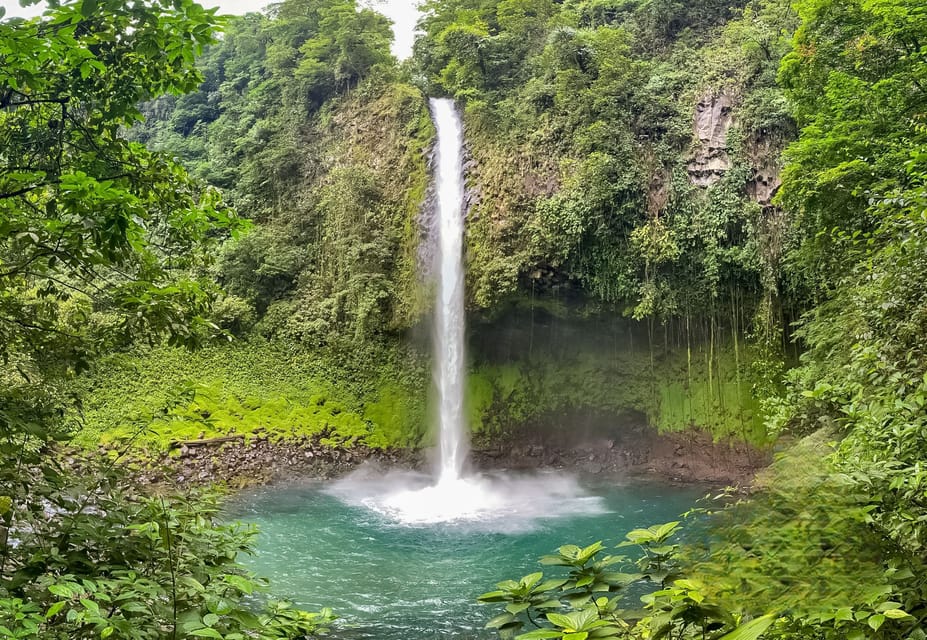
684 457
689 456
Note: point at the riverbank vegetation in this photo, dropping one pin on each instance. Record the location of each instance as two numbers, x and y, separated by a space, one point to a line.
104 244
725 202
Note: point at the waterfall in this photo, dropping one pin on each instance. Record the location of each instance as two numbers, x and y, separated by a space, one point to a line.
494 501
449 352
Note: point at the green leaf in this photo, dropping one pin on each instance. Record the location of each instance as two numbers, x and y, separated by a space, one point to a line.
500 620
550 585
60 590
896 614
752 630
87 8
561 620
665 530
210 619
191 582
493 596
539 634
241 583
90 606
55 609
206 633
845 613
876 621
532 579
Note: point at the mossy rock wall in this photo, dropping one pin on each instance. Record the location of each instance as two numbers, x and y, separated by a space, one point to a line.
533 364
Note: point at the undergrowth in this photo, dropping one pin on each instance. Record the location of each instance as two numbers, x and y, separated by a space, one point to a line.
157 396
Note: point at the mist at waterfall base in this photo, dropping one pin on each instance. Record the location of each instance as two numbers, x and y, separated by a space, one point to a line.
504 503
389 580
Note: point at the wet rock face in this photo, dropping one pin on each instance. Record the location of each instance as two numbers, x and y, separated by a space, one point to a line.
602 443
764 154
242 463
577 442
713 120
683 457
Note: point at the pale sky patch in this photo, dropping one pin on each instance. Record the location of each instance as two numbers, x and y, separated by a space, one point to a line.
403 13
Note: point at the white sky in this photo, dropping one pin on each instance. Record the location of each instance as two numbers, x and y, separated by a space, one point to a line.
403 13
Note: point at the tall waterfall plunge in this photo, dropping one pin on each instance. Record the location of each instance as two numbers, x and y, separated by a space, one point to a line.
493 501
449 356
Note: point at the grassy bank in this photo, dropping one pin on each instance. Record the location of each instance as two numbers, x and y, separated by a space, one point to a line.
155 396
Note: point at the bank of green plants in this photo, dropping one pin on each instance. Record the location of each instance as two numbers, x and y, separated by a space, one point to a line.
156 397
800 554
175 571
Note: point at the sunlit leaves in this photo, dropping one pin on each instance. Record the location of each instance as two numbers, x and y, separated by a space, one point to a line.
100 237
585 605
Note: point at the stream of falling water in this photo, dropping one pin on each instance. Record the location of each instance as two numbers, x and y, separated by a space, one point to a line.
449 310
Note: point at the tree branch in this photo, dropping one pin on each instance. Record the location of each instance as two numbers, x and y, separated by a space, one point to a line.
35 327
20 268
25 190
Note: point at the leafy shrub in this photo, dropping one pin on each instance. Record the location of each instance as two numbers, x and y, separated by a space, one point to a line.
173 573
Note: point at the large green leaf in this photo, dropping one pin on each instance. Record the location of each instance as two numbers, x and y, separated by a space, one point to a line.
500 621
751 630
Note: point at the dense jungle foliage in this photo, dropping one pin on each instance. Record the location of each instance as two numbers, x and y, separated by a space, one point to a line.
832 545
742 184
105 244
332 169
305 123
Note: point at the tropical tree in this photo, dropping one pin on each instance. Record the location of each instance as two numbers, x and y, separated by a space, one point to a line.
101 243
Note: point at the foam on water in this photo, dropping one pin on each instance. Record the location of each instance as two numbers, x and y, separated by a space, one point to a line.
496 502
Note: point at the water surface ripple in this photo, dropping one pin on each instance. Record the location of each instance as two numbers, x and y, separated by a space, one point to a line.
393 580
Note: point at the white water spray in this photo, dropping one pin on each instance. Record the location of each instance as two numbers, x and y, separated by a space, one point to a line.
449 367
